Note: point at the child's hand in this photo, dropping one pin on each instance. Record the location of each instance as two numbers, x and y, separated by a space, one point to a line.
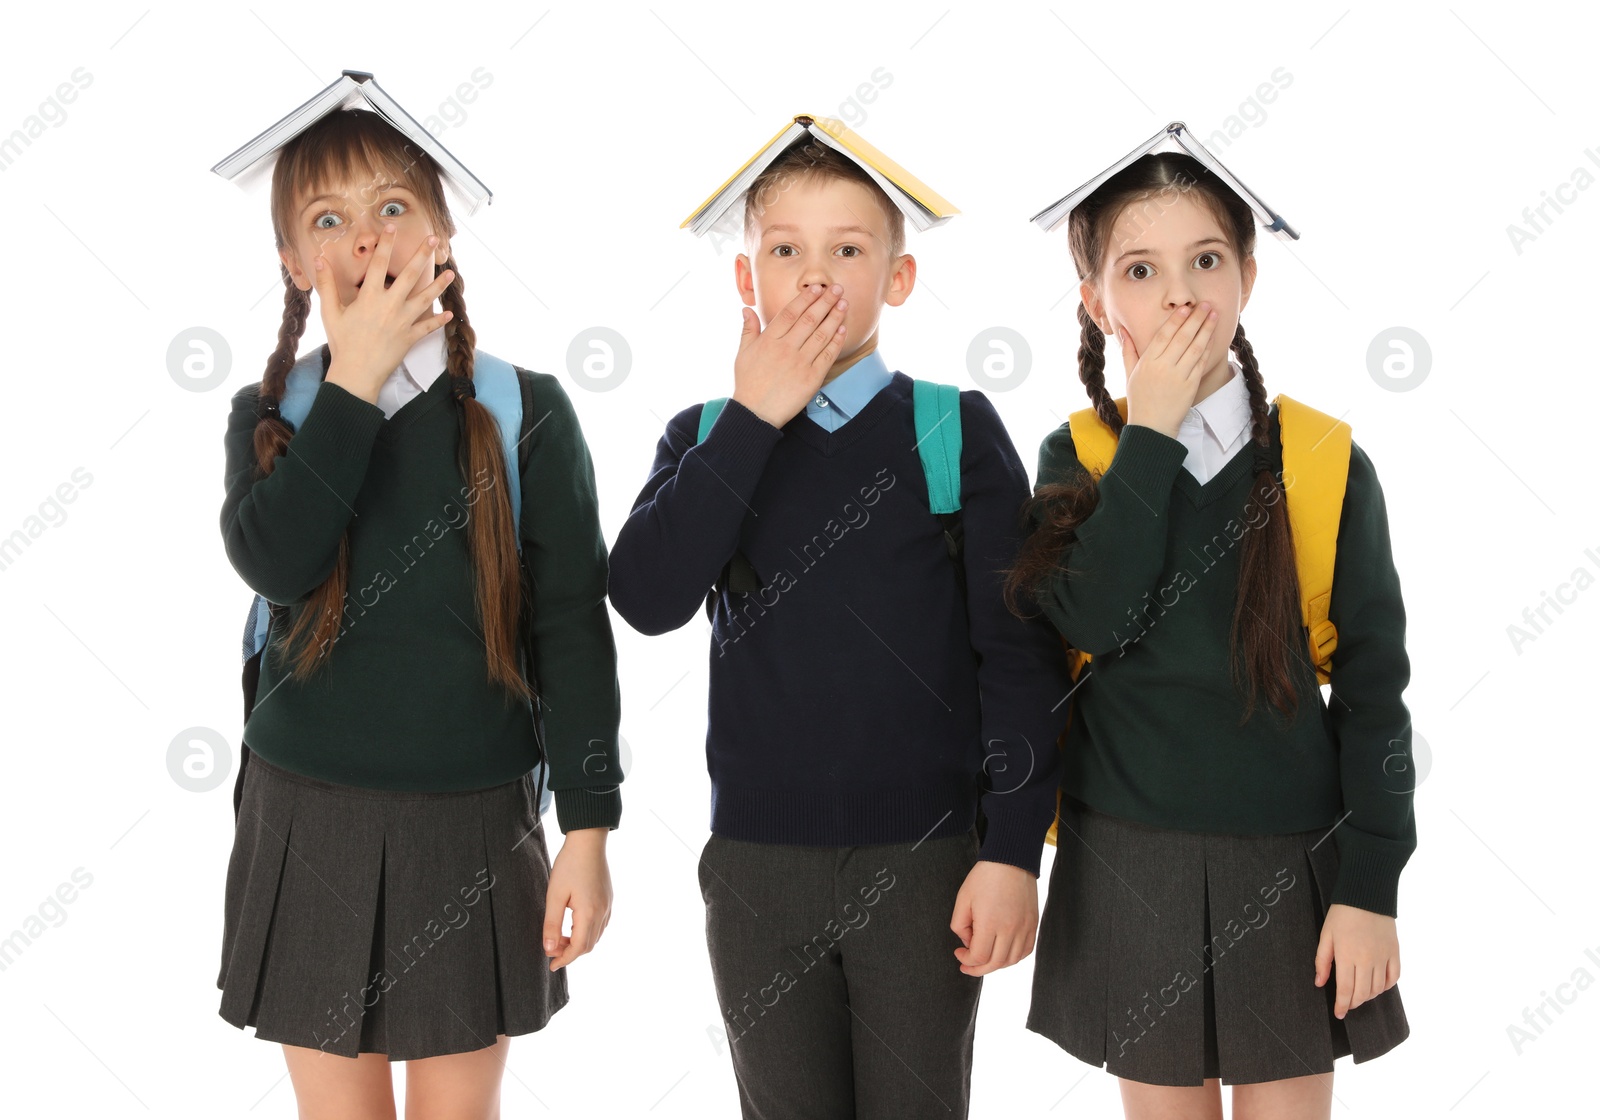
1163 381
781 368
1367 950
996 917
369 336
580 881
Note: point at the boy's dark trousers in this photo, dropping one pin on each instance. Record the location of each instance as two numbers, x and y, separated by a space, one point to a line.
835 970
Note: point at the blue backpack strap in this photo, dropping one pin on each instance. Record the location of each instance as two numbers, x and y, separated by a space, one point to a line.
300 388
255 628
936 411
708 415
494 381
498 387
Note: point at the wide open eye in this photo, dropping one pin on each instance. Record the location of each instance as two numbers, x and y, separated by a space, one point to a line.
1140 270
1211 261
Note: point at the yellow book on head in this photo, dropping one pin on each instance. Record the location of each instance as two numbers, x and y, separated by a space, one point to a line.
916 200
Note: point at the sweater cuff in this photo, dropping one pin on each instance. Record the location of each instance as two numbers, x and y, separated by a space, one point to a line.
339 417
1369 870
1016 838
1148 461
740 439
588 808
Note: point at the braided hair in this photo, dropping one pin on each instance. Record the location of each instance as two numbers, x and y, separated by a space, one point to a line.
1266 629
349 146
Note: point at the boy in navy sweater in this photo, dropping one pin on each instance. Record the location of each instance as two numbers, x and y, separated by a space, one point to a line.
866 695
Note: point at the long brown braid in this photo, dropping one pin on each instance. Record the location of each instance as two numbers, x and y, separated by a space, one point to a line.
350 146
1266 609
1092 369
1266 616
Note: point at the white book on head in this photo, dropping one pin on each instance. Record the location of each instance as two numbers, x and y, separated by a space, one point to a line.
354 89
1175 137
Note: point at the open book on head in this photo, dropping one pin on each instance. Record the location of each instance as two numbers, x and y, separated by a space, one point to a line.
915 199
354 89
1175 137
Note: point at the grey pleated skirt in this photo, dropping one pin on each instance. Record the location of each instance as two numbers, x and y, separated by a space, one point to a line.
1169 957
381 921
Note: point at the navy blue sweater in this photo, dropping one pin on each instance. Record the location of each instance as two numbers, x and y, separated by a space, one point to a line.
853 696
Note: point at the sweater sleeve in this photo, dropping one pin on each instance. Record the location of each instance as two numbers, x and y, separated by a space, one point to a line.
282 532
575 657
1120 548
1022 674
685 523
1370 720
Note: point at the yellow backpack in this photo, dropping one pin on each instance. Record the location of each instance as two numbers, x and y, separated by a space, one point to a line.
1316 462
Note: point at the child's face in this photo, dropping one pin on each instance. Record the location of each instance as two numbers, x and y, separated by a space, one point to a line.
825 231
344 222
1164 253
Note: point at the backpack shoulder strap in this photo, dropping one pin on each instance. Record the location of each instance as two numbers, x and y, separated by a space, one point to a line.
299 390
525 441
708 416
737 574
300 387
1316 464
936 412
1094 442
498 388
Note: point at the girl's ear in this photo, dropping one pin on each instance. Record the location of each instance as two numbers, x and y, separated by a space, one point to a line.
1095 306
292 262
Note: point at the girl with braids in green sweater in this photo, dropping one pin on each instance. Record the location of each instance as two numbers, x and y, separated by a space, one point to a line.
1222 903
390 895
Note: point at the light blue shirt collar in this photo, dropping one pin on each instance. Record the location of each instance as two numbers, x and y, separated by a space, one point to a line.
847 394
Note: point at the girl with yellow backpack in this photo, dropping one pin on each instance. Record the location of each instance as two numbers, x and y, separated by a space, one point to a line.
1221 907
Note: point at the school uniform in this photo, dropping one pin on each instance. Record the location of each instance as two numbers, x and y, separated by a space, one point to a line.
1197 858
854 699
387 885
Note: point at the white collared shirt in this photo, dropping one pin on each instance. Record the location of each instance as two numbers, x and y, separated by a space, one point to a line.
1215 429
423 363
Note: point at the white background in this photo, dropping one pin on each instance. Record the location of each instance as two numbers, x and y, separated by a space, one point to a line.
1407 141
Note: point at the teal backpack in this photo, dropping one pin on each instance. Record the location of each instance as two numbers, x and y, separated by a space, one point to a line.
938 445
501 388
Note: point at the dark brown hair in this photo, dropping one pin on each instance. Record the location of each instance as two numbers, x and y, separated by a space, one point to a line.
1266 614
808 160
357 146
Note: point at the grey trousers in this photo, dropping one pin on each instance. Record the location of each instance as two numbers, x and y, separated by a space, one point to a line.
835 973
